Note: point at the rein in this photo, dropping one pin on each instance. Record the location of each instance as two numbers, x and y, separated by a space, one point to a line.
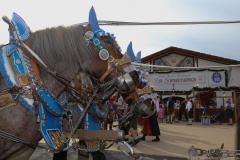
54 74
125 80
19 140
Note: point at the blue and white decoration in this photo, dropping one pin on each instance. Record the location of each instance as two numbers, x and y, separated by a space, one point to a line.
143 75
216 77
93 22
130 53
8 76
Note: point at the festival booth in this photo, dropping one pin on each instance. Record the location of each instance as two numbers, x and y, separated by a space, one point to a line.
210 76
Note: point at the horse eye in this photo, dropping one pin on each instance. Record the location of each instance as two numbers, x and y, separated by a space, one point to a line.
107 42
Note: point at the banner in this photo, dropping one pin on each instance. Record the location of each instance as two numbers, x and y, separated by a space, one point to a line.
177 78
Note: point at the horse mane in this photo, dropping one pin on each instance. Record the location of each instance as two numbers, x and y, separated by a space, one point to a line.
62 44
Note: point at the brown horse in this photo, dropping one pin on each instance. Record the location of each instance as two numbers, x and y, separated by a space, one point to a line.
64 50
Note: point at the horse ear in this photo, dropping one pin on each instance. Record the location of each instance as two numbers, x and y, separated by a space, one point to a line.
138 56
23 29
93 20
130 52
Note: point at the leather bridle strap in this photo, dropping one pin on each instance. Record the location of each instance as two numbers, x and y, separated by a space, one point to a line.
132 95
115 63
19 140
54 74
138 92
145 90
109 70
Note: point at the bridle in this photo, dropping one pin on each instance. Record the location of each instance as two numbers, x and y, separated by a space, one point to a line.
124 67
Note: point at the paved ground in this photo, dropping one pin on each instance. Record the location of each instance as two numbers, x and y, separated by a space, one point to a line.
175 141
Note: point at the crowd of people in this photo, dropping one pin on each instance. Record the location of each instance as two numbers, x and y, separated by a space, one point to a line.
175 111
170 110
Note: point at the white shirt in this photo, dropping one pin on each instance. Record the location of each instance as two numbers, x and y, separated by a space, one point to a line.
189 105
121 104
155 100
157 105
177 106
232 105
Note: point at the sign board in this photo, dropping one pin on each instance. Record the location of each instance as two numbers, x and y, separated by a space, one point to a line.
207 78
177 78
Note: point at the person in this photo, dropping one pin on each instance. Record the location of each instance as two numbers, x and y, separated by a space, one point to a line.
170 109
161 111
152 124
112 112
106 122
166 112
186 111
189 109
131 125
121 108
229 107
182 111
176 110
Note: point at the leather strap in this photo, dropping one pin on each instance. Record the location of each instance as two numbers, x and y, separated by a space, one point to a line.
132 95
145 90
54 74
109 70
36 73
115 63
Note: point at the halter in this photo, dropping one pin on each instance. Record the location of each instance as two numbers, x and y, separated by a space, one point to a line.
124 66
113 64
103 53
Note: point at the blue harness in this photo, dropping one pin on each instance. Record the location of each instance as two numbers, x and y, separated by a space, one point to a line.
50 110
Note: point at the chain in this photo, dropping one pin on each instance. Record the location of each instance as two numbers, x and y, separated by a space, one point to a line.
216 153
229 153
73 129
219 153
106 95
108 83
75 145
21 91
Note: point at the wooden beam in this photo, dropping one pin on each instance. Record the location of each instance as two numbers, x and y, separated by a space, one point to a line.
96 134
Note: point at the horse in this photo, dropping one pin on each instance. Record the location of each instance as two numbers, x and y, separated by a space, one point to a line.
65 51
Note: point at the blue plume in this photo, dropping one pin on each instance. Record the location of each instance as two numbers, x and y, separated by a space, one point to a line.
138 56
93 20
130 52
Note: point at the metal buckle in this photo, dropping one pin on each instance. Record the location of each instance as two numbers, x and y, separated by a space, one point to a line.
104 54
88 35
111 59
96 42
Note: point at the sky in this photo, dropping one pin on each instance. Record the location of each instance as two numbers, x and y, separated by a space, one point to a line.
220 40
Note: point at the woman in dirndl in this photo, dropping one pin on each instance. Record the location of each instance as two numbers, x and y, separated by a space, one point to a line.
161 111
229 107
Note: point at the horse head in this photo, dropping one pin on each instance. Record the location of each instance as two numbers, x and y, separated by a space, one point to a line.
117 66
